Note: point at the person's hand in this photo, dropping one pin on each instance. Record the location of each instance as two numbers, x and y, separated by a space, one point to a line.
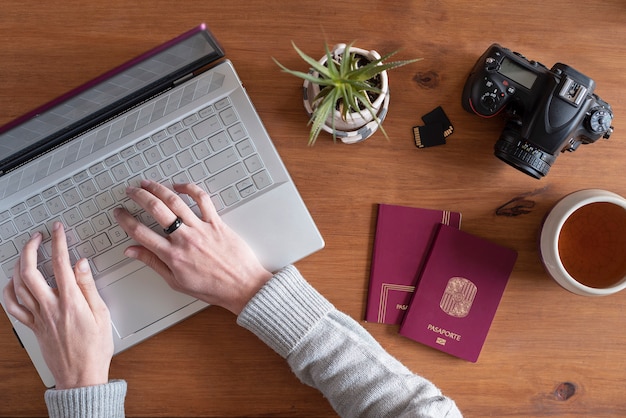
203 258
72 323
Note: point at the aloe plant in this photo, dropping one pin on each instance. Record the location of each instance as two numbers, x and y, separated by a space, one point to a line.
345 84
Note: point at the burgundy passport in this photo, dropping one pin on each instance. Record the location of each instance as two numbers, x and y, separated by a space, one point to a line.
458 293
403 237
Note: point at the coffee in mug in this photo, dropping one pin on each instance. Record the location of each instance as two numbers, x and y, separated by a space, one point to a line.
583 242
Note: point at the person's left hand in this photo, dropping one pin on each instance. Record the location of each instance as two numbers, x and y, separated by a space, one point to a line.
72 323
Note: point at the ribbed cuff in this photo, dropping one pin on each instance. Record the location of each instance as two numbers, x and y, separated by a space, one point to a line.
284 310
106 401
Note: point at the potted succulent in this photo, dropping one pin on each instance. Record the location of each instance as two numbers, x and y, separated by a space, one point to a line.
346 92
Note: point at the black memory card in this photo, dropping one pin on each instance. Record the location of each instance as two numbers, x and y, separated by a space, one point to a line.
438 127
439 117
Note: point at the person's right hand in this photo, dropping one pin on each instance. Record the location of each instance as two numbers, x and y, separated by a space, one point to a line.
203 258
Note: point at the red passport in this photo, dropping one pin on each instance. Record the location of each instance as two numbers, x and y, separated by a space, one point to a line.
458 293
403 237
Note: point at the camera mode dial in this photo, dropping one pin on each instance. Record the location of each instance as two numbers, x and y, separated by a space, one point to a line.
491 95
491 99
599 121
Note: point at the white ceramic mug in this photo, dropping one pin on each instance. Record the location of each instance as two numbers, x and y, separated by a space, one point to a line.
583 242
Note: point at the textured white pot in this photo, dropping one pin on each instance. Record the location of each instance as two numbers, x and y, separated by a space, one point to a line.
357 126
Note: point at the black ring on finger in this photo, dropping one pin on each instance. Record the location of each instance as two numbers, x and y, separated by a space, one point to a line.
174 226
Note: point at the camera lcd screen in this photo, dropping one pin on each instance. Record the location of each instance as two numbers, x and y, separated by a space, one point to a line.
517 73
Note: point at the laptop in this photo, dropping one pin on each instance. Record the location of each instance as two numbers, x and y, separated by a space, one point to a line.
178 113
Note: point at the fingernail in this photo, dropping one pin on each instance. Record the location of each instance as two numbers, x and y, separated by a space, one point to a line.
83 265
57 225
130 253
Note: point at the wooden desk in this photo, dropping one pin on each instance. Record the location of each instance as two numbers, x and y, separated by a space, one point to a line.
542 335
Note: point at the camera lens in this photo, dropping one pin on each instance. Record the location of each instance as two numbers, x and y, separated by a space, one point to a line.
521 154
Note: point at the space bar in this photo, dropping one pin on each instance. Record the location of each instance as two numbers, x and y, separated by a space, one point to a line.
110 257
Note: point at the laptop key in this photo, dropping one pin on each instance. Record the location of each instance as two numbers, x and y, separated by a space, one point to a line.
168 147
185 158
88 188
225 178
39 214
23 222
184 139
153 155
85 250
72 217
262 179
88 208
230 196
136 164
201 150
221 160
55 205
104 180
101 242
206 127
71 196
228 116
219 141
7 250
169 167
85 230
120 172
237 132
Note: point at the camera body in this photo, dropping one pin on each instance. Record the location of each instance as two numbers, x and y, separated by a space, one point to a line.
547 111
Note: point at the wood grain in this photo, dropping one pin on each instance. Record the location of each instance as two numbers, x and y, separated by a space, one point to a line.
548 353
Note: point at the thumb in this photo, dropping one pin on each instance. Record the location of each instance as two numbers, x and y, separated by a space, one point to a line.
84 280
151 260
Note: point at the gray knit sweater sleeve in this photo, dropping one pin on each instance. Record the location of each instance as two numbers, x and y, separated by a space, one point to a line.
325 348
330 351
102 401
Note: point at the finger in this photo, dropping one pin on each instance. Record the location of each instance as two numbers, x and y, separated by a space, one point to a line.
14 307
27 275
202 198
151 260
87 285
174 203
140 232
153 205
24 296
64 276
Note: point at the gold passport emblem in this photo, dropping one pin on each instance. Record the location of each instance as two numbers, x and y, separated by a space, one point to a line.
458 297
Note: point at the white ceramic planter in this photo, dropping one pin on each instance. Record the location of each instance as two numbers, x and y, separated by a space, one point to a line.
357 126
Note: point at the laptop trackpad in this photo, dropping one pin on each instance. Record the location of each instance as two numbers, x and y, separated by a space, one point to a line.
141 299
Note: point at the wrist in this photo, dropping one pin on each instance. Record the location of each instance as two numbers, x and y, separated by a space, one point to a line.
249 291
85 379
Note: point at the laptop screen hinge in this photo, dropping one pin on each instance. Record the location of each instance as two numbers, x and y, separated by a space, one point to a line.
183 79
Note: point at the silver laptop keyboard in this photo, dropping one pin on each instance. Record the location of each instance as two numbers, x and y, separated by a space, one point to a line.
210 148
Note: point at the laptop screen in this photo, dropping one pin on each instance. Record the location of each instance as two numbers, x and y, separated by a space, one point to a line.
92 103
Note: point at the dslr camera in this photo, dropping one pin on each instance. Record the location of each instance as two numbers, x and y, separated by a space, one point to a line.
547 111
